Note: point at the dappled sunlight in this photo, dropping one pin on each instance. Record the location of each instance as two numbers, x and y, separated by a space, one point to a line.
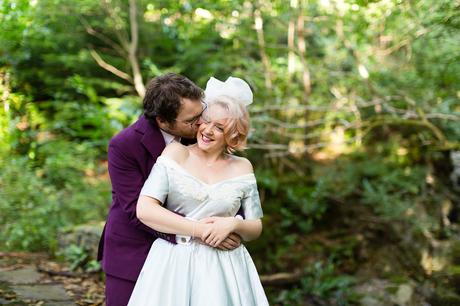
203 14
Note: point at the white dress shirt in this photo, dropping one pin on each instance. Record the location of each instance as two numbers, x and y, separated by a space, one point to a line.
169 138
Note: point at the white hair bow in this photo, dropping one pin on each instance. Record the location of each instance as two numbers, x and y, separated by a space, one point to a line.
234 88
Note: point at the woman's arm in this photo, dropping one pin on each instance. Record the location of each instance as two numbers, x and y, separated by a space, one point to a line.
248 229
127 180
150 212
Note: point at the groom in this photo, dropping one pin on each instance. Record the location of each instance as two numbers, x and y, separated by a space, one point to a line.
172 111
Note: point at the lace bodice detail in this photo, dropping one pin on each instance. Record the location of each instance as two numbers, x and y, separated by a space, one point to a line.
184 193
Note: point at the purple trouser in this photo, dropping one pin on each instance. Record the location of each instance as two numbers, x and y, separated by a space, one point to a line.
117 290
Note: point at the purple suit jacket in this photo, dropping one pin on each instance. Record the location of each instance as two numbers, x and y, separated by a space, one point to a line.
125 241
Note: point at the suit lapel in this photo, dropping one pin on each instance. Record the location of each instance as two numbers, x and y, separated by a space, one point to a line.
152 139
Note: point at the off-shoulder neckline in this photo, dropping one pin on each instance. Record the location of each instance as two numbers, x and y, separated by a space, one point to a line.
185 171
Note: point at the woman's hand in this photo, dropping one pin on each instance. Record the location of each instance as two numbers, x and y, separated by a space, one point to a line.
217 229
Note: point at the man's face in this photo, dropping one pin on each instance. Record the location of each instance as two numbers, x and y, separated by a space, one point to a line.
188 119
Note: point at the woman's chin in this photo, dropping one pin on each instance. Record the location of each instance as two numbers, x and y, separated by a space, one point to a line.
202 145
209 147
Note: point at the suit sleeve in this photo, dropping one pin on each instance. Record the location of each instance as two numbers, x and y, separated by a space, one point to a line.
127 183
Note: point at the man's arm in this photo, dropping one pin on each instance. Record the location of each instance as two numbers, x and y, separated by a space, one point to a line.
127 183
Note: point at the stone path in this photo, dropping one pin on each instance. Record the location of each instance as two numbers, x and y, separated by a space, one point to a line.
26 286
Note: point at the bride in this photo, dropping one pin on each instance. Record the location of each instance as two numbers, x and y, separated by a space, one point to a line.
207 185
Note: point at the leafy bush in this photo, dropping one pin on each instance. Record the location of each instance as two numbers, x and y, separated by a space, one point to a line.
388 185
30 208
322 281
60 188
79 257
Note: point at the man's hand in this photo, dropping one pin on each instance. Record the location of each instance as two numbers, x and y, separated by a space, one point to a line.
219 234
230 243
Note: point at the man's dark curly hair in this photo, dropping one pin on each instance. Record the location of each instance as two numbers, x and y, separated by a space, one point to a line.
163 95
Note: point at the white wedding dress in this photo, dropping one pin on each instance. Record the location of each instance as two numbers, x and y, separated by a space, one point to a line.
195 274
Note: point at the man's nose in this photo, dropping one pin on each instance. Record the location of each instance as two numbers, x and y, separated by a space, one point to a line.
199 121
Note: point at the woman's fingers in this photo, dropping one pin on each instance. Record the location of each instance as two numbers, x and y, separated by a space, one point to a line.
213 240
210 239
216 242
206 234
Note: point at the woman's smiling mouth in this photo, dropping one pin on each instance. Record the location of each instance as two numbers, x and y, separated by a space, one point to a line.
206 139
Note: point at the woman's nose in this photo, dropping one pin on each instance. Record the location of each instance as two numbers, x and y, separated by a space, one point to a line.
208 127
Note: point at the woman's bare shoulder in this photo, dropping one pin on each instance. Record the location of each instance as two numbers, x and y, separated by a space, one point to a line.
242 165
176 151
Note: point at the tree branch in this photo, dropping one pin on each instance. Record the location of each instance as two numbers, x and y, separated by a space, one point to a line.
91 31
121 35
398 121
109 67
291 36
279 279
127 47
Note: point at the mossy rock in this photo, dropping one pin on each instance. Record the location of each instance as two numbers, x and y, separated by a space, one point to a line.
444 297
86 236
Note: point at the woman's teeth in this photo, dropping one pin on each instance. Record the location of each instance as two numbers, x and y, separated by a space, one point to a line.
205 139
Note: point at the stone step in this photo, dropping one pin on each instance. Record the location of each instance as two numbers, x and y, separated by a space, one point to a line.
26 286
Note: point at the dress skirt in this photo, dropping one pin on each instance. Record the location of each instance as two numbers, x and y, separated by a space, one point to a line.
197 275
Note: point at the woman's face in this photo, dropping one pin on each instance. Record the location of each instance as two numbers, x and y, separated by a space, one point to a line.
210 135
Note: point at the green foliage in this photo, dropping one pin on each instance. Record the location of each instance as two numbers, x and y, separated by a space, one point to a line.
392 193
384 86
391 186
321 281
393 189
55 190
79 258
29 219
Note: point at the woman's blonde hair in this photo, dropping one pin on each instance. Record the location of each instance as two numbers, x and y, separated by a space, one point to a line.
236 128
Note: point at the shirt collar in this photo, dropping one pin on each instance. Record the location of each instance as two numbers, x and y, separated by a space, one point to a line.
168 137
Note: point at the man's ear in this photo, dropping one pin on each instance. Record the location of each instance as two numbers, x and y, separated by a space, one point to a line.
160 120
163 124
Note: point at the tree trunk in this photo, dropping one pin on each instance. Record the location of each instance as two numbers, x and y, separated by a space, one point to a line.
301 45
259 23
133 60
